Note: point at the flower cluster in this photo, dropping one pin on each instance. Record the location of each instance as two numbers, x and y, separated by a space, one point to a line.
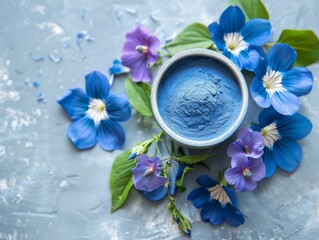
247 166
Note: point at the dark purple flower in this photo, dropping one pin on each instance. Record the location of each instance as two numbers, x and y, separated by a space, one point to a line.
249 143
138 52
245 172
147 173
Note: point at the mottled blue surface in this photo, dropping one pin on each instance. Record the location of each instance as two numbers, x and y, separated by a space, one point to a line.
198 98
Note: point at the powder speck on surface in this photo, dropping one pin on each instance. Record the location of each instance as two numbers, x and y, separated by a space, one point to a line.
199 99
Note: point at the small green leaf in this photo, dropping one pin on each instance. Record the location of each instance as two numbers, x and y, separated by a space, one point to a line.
195 35
251 8
306 44
177 216
139 96
121 180
192 159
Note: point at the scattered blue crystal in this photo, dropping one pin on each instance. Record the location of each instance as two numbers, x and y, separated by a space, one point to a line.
154 18
131 11
83 14
119 14
41 97
54 58
36 84
36 58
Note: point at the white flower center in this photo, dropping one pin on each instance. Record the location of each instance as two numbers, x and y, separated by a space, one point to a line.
235 43
218 193
272 81
270 135
97 111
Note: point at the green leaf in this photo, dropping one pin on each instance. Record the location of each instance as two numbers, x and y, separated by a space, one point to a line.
139 96
306 44
195 35
251 8
121 180
192 159
177 216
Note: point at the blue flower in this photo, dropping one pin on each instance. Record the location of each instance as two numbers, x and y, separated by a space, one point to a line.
147 173
175 173
95 114
118 68
280 133
279 85
233 36
218 202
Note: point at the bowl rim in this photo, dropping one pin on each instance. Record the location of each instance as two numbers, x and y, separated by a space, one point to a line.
221 59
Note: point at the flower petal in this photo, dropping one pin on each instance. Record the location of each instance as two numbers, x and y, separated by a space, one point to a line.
250 184
232 20
213 212
206 181
285 102
294 127
118 107
233 175
270 162
156 195
287 154
232 196
240 185
255 54
281 57
257 31
199 197
152 57
236 148
258 169
82 133
153 43
259 93
233 216
298 80
217 35
233 58
148 183
267 116
111 135
97 85
138 65
75 102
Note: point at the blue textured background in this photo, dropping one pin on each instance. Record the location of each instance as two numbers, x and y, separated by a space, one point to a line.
49 190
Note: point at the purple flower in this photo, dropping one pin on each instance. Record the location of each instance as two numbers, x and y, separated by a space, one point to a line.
95 114
279 85
138 52
147 173
249 143
245 172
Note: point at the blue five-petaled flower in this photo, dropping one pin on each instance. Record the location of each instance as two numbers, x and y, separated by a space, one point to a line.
279 85
280 133
233 37
95 114
218 202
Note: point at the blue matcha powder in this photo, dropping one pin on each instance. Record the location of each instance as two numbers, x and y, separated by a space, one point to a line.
199 98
